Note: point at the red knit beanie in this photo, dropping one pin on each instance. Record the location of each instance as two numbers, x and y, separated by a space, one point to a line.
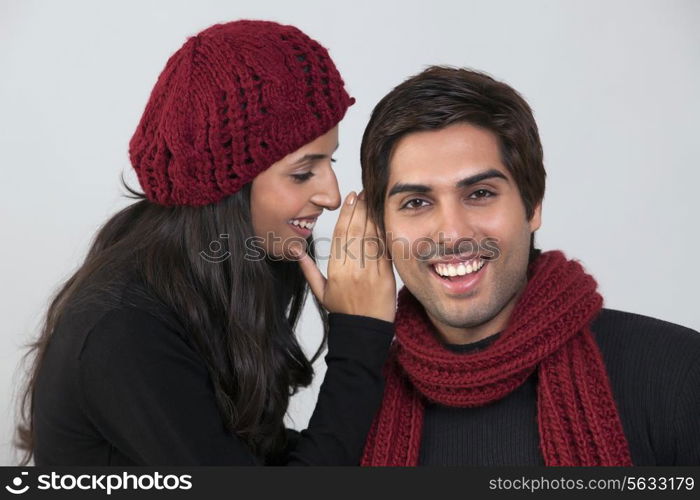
232 101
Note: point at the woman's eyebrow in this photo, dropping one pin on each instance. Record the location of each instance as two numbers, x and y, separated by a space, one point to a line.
313 157
309 158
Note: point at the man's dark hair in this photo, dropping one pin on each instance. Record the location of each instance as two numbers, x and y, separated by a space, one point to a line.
441 96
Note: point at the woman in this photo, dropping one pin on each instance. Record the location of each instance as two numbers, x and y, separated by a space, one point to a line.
167 348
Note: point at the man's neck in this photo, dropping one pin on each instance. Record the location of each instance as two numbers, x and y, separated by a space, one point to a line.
468 335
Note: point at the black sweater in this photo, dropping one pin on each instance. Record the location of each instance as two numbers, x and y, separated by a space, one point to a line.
121 386
654 371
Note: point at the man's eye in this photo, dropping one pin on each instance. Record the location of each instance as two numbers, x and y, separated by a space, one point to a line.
302 177
482 193
413 204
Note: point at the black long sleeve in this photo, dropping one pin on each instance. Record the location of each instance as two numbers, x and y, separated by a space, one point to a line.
125 388
350 394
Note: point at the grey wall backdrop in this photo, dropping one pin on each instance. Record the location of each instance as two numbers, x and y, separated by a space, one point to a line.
613 84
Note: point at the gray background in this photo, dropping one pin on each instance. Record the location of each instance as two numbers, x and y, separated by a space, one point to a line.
613 86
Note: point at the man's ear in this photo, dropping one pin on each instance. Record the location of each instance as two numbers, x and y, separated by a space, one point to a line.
536 219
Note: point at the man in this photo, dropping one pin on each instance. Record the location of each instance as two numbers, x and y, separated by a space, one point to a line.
503 354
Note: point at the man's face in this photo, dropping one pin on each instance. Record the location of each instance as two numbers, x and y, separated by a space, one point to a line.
447 186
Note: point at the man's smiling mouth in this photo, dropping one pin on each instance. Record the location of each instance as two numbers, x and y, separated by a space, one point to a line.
457 268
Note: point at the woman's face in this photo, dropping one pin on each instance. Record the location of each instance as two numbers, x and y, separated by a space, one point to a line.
287 198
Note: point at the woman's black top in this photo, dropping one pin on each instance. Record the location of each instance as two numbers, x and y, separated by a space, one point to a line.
119 385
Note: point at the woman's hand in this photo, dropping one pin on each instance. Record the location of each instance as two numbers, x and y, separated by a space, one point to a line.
360 275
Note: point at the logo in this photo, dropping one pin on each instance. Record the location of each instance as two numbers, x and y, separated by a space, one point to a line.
215 247
17 482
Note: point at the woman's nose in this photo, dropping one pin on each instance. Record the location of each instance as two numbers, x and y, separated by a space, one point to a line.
327 194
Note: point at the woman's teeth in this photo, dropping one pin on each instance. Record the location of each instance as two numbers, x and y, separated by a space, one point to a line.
458 270
303 223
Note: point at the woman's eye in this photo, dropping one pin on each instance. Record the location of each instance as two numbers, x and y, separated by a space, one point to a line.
302 177
413 204
482 193
333 160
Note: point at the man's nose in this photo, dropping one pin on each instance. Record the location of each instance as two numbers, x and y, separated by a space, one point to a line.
452 224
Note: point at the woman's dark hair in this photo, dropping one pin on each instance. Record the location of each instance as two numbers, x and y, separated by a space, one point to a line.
239 313
441 96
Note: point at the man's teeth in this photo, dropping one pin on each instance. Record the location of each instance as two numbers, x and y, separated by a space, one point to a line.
303 223
458 270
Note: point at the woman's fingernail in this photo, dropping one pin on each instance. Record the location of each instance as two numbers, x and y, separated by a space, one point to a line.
351 198
294 250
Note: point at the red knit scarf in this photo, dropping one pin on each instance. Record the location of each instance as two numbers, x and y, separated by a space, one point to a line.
549 332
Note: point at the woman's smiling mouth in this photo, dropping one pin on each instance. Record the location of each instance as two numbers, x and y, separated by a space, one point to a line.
303 226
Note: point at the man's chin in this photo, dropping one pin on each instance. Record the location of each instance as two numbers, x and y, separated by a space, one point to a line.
457 312
454 302
457 319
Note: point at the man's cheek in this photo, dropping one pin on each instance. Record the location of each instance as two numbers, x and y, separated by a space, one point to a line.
397 250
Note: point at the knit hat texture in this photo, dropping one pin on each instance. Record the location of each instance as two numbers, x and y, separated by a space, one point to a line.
233 100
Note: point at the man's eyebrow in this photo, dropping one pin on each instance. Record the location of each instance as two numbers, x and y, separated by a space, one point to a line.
489 174
307 158
401 187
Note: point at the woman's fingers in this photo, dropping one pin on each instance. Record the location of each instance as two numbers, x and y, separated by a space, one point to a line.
356 233
346 211
313 275
356 284
341 228
374 248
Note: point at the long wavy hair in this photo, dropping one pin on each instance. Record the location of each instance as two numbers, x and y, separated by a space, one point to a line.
239 313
